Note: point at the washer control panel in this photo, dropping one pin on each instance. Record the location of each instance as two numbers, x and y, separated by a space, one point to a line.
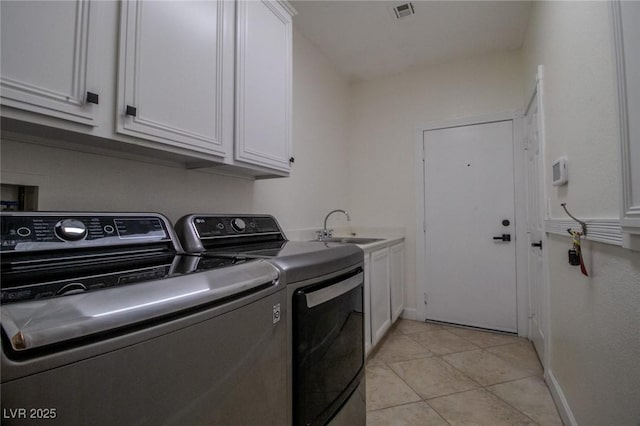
225 226
70 230
33 231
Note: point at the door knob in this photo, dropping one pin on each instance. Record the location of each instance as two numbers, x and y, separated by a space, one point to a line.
503 237
538 244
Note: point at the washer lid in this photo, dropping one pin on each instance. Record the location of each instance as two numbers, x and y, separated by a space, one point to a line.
303 260
40 323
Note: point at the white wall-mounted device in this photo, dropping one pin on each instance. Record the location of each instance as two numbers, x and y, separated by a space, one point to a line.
559 170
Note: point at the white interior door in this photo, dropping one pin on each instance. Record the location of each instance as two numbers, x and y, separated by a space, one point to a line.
469 200
535 230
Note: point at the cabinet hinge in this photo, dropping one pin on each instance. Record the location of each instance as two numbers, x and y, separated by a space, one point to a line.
526 144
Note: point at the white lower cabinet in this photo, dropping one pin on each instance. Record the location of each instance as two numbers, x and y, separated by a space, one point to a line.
367 306
383 292
396 280
380 297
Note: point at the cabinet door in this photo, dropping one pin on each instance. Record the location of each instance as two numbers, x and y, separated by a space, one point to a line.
380 303
626 15
367 305
396 272
175 80
263 92
48 59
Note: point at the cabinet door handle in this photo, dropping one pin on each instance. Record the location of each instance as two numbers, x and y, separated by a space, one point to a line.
132 111
292 160
92 98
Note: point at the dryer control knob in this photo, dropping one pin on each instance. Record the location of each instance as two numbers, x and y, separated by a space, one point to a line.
238 225
70 230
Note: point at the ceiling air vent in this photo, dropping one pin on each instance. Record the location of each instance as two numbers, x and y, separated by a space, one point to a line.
403 10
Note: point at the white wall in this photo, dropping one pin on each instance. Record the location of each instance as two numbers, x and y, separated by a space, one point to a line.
318 182
574 43
70 180
595 322
384 115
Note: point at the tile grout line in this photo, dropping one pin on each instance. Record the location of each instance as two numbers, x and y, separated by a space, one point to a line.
468 340
440 356
486 388
420 396
443 360
501 359
437 412
403 381
434 356
509 404
408 335
480 386
409 403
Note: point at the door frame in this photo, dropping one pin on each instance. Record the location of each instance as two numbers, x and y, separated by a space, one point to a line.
519 164
537 93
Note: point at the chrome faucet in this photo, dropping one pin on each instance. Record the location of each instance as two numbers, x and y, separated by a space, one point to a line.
327 233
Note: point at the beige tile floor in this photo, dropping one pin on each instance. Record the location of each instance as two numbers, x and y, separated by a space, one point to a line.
430 374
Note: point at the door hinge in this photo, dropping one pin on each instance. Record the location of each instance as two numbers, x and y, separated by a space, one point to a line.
425 298
526 144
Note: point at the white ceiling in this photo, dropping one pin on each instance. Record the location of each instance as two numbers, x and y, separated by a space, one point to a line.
364 40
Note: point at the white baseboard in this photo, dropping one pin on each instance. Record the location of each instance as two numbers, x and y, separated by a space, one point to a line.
409 313
560 400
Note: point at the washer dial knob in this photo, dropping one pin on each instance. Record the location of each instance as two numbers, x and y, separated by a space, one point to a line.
238 225
70 230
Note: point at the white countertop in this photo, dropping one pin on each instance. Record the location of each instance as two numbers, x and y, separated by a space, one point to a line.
387 236
384 242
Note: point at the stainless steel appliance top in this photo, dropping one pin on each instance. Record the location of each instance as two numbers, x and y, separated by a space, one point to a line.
260 236
44 231
49 254
69 275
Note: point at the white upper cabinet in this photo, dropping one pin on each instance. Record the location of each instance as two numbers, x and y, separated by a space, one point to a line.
263 92
200 83
626 15
176 72
48 58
